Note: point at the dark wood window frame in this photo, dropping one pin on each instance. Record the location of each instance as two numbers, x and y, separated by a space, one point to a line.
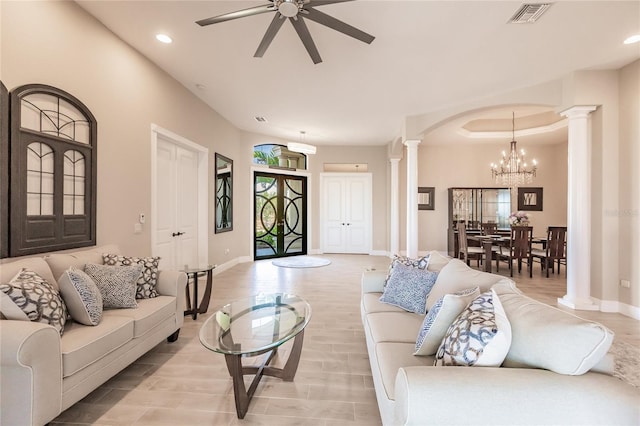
30 234
4 171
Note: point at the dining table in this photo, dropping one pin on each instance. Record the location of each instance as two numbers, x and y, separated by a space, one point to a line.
488 242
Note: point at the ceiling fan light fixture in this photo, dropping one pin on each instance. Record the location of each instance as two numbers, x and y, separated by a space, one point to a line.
288 8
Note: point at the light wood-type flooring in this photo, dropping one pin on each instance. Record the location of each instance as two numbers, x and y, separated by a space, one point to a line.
184 383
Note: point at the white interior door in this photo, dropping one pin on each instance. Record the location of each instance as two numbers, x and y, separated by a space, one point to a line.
178 237
346 212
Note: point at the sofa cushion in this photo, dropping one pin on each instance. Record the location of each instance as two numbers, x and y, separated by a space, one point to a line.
371 303
394 326
149 314
29 297
408 288
546 337
440 317
437 261
82 345
457 276
146 284
117 284
390 357
480 336
60 262
82 296
35 264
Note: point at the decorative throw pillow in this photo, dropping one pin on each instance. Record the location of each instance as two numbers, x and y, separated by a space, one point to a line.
420 263
29 297
440 317
146 285
82 296
117 284
480 336
408 288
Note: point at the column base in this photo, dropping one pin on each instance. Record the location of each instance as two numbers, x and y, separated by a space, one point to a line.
578 304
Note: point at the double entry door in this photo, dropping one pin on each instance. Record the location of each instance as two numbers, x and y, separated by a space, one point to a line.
280 204
346 212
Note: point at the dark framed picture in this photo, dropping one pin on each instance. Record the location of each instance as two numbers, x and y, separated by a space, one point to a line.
426 197
530 199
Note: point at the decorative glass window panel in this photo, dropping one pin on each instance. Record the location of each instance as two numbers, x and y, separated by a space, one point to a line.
40 177
54 116
74 181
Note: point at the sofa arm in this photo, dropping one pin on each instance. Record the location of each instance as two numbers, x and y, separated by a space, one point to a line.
31 379
373 281
173 283
492 396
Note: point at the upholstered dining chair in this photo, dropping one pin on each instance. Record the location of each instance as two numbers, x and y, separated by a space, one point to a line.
555 249
519 249
466 253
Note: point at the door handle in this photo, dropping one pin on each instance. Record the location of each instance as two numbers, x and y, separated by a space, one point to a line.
176 234
342 223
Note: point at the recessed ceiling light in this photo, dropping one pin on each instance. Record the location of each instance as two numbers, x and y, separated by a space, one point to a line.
633 39
163 38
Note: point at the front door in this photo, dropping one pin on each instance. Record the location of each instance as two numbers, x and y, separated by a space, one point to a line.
280 205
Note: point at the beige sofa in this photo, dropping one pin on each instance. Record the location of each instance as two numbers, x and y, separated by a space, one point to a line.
411 391
43 374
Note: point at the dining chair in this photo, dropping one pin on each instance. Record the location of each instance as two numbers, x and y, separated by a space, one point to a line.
519 249
466 253
555 249
488 228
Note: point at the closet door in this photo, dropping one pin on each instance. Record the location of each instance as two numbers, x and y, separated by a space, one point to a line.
346 212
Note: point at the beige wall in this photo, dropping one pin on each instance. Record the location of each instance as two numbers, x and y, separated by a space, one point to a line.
629 178
59 44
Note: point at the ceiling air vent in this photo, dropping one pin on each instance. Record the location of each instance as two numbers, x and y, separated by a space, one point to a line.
260 119
529 13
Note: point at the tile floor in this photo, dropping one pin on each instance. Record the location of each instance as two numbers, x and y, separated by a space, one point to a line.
184 383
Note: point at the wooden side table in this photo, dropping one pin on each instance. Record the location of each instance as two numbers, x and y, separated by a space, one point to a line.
192 274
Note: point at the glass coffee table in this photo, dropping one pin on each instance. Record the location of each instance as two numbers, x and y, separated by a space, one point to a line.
255 326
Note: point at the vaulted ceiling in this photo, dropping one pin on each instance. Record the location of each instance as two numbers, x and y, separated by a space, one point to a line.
426 55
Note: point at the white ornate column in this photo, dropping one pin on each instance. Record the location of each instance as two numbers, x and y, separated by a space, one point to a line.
412 197
394 214
579 210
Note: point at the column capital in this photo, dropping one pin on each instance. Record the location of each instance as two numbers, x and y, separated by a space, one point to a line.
412 142
578 111
394 160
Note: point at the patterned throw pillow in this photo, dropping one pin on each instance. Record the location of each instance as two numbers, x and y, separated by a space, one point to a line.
146 285
480 336
29 297
440 317
408 288
117 284
82 296
420 263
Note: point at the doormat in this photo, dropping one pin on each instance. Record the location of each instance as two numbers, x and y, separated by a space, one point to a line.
301 262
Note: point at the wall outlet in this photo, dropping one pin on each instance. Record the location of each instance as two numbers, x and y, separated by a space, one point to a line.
137 228
625 283
227 251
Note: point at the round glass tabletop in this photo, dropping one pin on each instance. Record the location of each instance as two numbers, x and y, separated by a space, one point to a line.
256 324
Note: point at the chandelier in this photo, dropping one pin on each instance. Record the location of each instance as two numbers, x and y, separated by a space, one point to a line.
513 170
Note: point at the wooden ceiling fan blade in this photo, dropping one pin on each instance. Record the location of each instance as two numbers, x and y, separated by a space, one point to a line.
273 29
338 25
237 14
305 36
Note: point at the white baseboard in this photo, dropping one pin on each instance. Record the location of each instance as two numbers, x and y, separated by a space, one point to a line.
619 307
226 265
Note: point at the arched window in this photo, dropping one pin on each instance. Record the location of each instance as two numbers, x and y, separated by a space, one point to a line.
52 171
274 155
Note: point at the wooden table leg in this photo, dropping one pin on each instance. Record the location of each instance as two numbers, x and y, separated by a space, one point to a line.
487 244
207 293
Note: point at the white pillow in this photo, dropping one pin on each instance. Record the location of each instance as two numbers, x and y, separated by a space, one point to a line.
408 288
82 296
437 261
439 318
457 276
546 337
480 336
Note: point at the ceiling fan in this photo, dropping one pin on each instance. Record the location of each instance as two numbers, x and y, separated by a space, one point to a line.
296 11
